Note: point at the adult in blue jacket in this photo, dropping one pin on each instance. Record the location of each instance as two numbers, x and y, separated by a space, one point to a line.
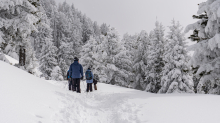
89 79
76 72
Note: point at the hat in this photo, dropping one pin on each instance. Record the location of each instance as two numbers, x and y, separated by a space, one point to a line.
76 59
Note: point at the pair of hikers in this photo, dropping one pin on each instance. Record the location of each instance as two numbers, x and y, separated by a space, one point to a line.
75 74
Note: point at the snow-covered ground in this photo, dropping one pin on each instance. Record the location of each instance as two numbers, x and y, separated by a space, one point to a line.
11 60
25 98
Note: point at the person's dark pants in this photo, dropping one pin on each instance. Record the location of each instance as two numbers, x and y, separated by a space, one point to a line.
76 85
70 83
89 87
95 86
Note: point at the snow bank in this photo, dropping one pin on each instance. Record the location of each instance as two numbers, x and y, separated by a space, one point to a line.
11 60
24 97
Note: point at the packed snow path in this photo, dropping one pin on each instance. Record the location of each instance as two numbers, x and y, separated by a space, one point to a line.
101 106
25 98
112 104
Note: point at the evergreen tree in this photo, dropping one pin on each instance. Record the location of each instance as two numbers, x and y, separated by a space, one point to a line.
104 29
48 59
65 55
140 61
110 48
155 59
44 33
130 43
124 75
176 76
54 24
19 20
112 63
87 54
97 31
207 50
100 56
76 32
87 29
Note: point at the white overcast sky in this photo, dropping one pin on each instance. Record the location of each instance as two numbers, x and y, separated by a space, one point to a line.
132 16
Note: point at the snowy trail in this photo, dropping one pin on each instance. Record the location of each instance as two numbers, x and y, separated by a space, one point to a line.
95 107
112 104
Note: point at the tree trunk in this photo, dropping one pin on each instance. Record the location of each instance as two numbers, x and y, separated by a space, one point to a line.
22 56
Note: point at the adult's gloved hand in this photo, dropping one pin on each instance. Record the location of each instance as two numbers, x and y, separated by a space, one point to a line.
82 78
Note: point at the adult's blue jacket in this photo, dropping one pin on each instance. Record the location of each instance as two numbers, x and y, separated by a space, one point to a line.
75 70
90 81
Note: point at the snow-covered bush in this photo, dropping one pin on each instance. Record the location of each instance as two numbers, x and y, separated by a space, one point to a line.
3 58
57 74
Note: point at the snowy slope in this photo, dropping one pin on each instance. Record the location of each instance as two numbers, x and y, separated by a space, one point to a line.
25 98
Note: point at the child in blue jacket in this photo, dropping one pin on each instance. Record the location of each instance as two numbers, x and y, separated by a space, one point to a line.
89 79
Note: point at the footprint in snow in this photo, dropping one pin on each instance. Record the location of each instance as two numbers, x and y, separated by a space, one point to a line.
39 116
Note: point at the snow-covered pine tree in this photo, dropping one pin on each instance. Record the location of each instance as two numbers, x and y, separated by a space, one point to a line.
19 20
87 54
124 75
112 63
104 29
54 24
76 32
48 59
155 59
97 30
44 33
98 57
176 78
65 55
140 61
57 74
110 48
48 6
207 50
130 44
87 29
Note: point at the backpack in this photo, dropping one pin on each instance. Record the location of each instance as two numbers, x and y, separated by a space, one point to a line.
88 75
